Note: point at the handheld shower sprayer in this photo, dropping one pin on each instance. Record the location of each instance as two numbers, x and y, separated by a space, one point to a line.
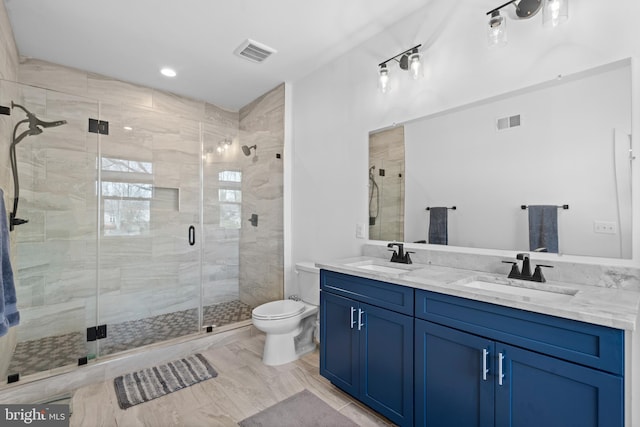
35 123
35 128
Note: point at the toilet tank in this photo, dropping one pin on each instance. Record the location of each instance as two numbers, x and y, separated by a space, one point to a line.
308 277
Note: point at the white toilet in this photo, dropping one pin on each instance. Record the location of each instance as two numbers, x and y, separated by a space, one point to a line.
289 325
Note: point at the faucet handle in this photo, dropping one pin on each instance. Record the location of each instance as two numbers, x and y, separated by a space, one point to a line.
515 271
537 273
407 258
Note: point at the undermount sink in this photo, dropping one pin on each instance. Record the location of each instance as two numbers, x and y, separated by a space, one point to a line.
382 268
540 292
372 266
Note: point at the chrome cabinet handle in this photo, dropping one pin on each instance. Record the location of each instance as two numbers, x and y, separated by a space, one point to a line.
360 313
353 322
500 370
485 371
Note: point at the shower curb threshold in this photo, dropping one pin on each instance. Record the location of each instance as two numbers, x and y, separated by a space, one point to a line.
41 386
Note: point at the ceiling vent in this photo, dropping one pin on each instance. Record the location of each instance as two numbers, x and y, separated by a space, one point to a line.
254 51
508 122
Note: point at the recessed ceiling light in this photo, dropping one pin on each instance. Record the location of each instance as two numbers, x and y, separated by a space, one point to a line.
169 72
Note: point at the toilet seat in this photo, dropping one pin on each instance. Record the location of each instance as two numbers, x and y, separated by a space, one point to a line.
276 310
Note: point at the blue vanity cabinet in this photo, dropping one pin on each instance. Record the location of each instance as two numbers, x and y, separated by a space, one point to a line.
339 344
453 385
366 342
480 364
539 390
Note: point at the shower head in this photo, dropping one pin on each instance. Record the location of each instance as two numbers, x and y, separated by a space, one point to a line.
39 122
247 150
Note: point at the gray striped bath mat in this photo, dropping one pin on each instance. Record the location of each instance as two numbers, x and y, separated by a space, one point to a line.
151 383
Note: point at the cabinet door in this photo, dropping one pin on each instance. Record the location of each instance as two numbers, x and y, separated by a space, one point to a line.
539 390
454 377
386 369
339 342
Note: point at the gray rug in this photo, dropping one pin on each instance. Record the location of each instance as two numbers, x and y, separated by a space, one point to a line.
151 383
301 409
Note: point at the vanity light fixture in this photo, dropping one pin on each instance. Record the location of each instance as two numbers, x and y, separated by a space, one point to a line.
554 13
497 29
408 60
383 78
223 145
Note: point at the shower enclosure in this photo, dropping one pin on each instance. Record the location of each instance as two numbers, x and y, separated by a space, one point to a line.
134 221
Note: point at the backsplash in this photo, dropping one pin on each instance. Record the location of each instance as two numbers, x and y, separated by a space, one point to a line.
570 272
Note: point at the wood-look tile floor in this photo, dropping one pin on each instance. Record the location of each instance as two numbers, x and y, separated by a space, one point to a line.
243 387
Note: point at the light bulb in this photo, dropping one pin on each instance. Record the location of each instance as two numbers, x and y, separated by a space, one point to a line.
168 72
555 12
383 79
497 29
415 66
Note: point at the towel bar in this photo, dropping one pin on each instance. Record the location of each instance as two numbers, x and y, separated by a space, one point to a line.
523 207
452 207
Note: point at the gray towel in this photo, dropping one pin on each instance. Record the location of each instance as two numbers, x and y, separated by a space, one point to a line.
543 228
9 315
438 234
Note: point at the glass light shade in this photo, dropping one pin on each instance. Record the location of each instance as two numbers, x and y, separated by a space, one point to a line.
415 66
383 79
497 29
555 12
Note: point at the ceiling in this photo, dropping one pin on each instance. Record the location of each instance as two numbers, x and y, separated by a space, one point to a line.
132 39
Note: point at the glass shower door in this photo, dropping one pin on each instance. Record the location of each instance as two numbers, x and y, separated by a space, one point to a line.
149 248
223 218
54 252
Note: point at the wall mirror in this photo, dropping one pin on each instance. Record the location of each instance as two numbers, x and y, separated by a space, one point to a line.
563 143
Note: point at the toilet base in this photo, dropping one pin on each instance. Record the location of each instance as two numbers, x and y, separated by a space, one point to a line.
280 348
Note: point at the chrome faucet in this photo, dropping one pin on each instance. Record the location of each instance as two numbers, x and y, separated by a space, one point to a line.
400 256
525 273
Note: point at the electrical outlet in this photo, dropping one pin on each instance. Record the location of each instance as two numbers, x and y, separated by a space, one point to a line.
605 227
360 231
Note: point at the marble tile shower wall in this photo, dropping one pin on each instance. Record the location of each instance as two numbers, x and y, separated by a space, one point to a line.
262 247
145 275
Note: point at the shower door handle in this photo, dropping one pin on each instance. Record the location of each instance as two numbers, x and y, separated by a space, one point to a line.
192 235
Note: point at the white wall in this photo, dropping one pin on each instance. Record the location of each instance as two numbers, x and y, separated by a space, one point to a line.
335 107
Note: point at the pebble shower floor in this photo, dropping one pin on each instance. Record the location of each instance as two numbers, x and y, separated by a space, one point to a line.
47 353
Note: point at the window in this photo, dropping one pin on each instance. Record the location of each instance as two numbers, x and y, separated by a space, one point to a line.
126 197
230 198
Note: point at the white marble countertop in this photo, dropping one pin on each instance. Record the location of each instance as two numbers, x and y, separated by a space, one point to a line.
615 308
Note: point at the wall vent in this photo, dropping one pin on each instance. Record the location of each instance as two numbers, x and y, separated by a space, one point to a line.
507 122
254 51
